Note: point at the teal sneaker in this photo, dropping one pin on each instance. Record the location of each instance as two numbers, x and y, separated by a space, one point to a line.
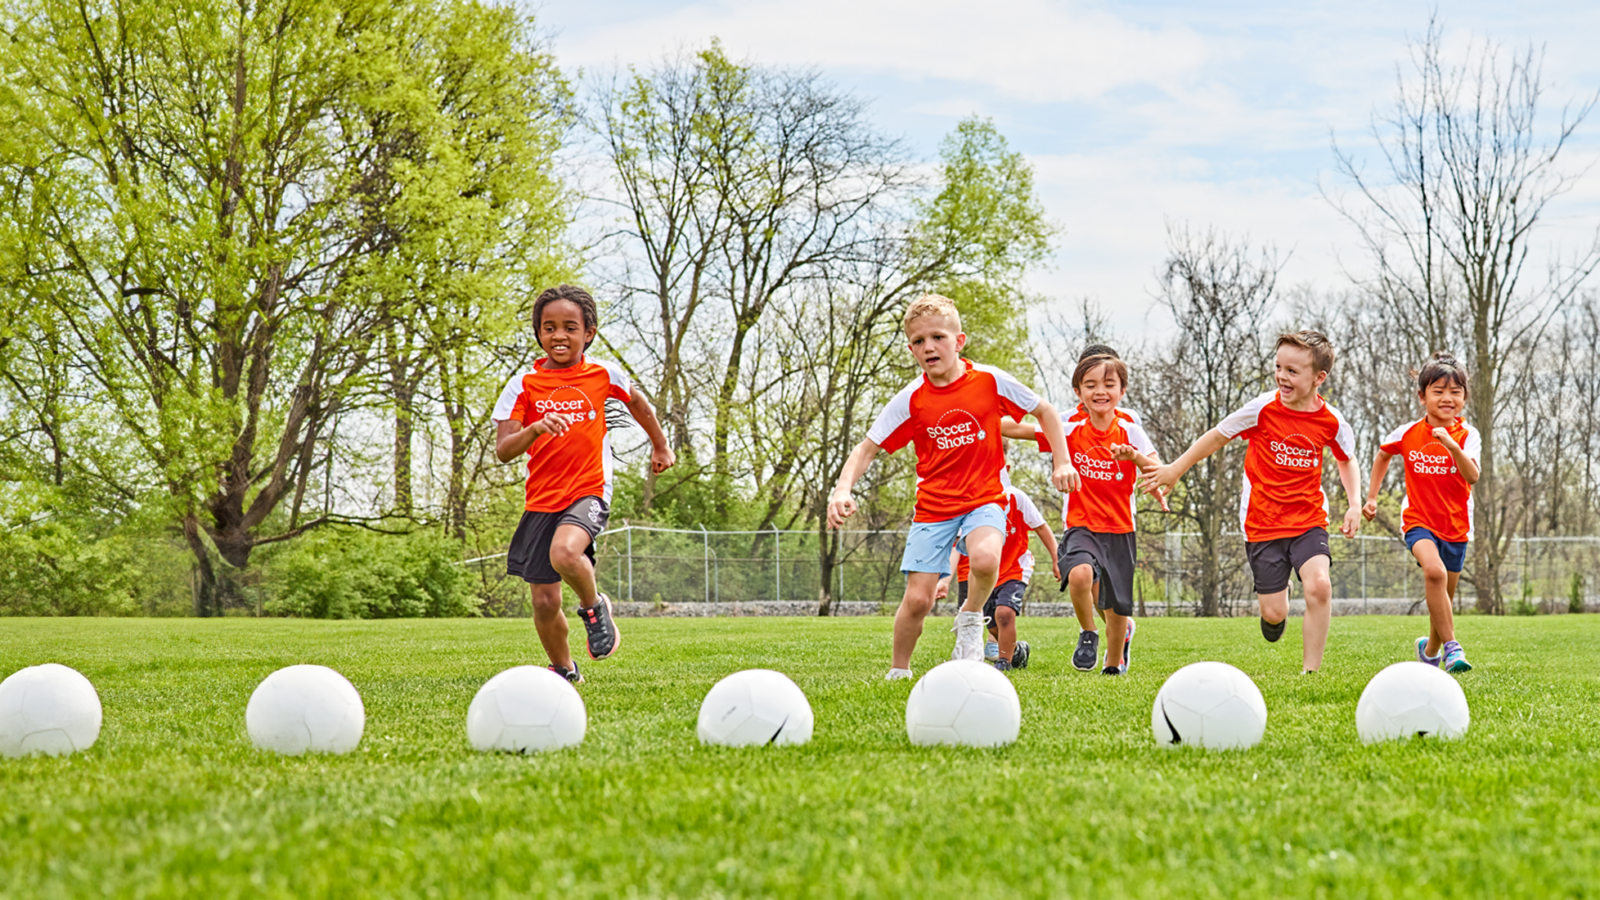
1455 658
991 650
1422 653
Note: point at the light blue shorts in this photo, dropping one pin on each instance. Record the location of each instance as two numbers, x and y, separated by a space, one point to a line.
928 543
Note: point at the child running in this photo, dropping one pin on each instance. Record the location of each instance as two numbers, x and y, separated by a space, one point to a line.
1440 453
556 414
1016 569
951 414
1098 551
1283 510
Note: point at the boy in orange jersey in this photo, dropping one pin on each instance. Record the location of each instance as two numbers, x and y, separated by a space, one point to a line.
1016 569
1440 452
1283 510
1098 551
556 414
951 413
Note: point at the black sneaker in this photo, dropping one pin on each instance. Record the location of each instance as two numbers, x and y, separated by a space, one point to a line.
570 675
1019 655
1002 665
1088 652
604 639
1114 670
1272 630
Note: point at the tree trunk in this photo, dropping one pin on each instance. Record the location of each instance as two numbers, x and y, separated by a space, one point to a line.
401 386
828 546
1489 507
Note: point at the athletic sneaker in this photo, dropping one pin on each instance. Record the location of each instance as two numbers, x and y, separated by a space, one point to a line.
601 629
1083 658
571 675
1272 630
1114 670
898 675
1422 653
1455 658
991 651
969 635
1019 655
1002 665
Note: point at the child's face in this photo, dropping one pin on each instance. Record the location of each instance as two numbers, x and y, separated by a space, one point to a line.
562 333
1296 374
936 343
1101 390
1444 400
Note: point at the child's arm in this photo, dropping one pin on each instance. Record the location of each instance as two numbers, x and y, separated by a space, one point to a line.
1049 538
512 439
1160 480
1064 476
1464 463
1011 428
841 505
943 590
1352 516
661 456
1380 468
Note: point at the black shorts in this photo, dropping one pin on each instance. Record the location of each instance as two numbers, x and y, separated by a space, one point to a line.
1272 561
1008 595
1112 556
529 556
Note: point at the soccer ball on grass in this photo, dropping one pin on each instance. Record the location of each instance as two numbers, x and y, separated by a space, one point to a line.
48 709
526 709
301 708
1211 705
963 703
756 706
1411 698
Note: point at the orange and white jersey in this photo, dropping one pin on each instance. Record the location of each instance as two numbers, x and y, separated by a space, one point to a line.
1104 501
956 432
1437 498
1283 494
563 468
1016 559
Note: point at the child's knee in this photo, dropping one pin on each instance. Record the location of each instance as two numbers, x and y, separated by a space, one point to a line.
1005 616
1434 573
565 559
546 601
1081 577
984 561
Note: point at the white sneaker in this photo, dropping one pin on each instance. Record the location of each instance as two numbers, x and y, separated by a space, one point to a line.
991 651
898 675
969 636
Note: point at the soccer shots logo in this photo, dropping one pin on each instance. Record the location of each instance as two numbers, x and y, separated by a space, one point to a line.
567 400
1099 467
1432 459
956 428
1295 451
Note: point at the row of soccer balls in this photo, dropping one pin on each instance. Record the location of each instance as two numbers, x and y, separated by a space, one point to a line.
53 709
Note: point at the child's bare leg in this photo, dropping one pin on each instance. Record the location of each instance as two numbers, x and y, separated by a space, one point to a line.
1116 633
567 557
1318 589
1080 586
1005 620
1274 606
1437 585
983 552
551 623
908 618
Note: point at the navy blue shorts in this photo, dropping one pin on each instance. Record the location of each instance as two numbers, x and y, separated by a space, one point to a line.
1008 595
1452 553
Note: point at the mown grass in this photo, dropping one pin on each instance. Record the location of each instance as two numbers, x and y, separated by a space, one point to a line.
174 802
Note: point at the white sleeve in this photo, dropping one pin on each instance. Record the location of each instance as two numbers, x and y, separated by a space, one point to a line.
1245 417
619 379
1133 415
1010 388
1395 436
1345 438
1140 441
1030 513
508 399
1473 448
893 415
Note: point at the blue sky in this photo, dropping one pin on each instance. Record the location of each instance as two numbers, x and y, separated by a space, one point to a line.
1135 115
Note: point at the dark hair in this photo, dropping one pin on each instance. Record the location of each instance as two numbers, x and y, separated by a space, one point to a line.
1096 350
1314 342
1087 364
1442 367
584 300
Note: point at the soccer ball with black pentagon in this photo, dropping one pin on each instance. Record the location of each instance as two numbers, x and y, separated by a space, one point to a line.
301 708
526 709
756 706
49 709
1411 699
1211 705
963 703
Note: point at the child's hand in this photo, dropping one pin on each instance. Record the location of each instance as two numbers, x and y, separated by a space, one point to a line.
1065 477
1442 435
943 589
1370 510
1352 522
555 423
662 459
839 509
1055 569
1124 452
1157 482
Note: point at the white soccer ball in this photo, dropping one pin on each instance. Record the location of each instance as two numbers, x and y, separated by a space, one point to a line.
49 709
1211 705
964 703
300 708
1411 698
526 709
753 707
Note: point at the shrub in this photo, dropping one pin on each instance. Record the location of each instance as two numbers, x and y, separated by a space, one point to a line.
347 574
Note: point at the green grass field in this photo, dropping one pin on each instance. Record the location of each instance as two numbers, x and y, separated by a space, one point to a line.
174 802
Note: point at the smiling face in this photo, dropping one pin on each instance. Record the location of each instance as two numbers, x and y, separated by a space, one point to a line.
1444 400
1101 390
562 333
1297 376
936 343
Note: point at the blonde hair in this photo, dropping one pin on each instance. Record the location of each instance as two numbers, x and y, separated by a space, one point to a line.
931 305
1313 342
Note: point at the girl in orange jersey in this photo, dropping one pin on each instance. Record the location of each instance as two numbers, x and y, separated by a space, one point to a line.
555 414
1440 452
